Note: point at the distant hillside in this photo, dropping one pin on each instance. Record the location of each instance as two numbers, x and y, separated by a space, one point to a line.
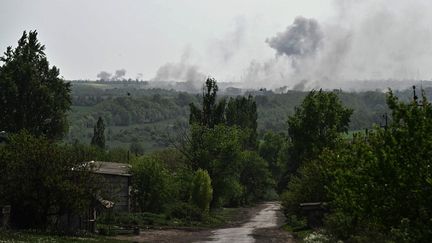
151 117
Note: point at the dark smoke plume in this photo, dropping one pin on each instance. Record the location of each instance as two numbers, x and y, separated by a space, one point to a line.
302 38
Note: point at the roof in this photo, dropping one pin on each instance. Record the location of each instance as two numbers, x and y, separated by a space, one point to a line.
111 168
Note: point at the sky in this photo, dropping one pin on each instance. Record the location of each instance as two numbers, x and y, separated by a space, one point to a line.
85 37
259 42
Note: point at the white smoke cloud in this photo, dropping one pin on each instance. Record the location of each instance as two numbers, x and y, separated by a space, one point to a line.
182 71
226 47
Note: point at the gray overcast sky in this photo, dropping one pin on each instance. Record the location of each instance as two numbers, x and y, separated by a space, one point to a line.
84 37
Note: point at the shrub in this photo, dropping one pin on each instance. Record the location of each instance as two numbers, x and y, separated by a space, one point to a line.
150 183
38 180
185 211
202 191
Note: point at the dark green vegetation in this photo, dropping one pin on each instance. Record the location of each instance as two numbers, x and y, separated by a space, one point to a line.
32 236
152 118
38 181
98 138
32 95
377 185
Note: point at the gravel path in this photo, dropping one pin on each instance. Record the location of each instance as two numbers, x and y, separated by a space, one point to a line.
259 224
264 227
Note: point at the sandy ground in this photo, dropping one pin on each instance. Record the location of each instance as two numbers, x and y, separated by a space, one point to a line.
256 224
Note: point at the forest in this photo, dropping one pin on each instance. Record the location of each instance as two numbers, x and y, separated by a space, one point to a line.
364 156
155 116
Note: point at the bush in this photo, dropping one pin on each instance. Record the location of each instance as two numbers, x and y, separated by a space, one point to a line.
132 219
185 211
151 184
202 191
38 180
255 177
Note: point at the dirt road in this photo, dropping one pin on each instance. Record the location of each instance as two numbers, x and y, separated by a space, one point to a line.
264 227
260 224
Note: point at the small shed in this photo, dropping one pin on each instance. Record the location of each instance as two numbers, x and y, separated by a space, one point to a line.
114 195
116 185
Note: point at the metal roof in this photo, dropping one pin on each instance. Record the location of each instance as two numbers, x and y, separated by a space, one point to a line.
111 168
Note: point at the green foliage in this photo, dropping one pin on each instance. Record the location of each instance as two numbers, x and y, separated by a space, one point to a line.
378 186
99 134
237 177
150 183
28 236
212 112
219 134
217 150
274 149
38 180
141 118
131 219
316 125
242 112
382 182
32 95
85 152
136 148
314 131
202 191
186 211
308 185
255 177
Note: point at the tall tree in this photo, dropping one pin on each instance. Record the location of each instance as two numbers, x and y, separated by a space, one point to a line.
242 112
32 95
316 125
212 112
99 134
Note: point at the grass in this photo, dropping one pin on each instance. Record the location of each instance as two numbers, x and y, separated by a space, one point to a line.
297 227
117 222
297 232
32 236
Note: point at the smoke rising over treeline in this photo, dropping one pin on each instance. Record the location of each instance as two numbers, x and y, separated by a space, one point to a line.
117 76
364 40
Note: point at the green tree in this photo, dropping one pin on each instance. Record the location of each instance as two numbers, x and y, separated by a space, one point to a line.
32 95
212 112
270 150
217 151
136 148
382 185
150 183
98 138
41 179
255 177
316 125
242 112
202 191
